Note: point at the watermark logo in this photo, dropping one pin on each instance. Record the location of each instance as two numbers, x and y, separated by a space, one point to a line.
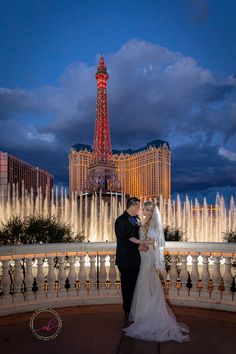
45 324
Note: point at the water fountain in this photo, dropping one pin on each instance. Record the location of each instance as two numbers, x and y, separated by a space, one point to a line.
95 216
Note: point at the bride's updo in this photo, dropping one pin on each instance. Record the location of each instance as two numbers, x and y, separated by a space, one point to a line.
149 207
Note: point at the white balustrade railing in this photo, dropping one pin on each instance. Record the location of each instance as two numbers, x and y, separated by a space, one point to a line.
60 275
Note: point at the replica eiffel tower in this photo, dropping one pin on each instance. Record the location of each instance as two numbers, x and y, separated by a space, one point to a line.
102 176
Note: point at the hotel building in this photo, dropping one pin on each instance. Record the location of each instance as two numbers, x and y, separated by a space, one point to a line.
15 172
143 172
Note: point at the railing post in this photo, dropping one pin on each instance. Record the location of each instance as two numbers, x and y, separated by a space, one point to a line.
216 279
113 289
205 277
29 279
6 297
82 276
61 277
40 280
183 291
92 275
194 291
173 275
102 274
228 278
17 281
51 291
72 276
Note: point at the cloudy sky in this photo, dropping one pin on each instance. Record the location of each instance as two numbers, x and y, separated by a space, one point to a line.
172 77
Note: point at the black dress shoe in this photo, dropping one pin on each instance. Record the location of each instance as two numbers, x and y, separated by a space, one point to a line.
126 315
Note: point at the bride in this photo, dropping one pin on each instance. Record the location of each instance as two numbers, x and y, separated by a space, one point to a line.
153 319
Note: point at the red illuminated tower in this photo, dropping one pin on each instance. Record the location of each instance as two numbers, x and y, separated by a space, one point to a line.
102 139
102 174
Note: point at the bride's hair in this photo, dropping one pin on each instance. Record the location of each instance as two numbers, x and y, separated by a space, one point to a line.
149 206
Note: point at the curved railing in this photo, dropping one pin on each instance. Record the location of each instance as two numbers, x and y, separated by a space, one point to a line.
70 274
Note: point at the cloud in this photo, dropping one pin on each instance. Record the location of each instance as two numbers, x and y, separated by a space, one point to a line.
200 167
18 101
153 93
230 155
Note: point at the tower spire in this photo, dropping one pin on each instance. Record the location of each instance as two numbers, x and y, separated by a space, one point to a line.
102 139
102 175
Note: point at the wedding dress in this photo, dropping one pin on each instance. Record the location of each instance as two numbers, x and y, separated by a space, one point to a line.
153 318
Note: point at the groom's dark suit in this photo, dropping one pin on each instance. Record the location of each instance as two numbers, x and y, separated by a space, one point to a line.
127 256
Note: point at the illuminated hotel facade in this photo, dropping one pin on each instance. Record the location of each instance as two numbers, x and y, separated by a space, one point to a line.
144 172
18 173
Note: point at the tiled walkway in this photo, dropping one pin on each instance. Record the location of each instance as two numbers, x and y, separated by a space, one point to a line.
97 330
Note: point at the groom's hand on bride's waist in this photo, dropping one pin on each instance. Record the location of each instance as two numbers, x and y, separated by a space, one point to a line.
143 248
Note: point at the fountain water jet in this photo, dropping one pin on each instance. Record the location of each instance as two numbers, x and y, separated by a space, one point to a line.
95 216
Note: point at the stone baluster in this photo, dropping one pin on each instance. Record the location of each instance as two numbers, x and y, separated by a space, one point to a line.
102 274
17 280
51 292
82 275
92 275
62 277
228 278
72 276
216 279
6 298
183 291
173 276
194 291
205 277
40 279
112 270
113 276
29 279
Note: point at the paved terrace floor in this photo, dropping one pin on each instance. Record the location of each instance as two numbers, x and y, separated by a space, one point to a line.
97 330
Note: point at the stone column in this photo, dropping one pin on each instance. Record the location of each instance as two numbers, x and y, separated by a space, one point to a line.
205 276
228 278
72 277
17 280
62 277
102 275
194 291
113 276
82 276
183 291
216 279
6 297
51 291
173 276
41 294
29 279
92 275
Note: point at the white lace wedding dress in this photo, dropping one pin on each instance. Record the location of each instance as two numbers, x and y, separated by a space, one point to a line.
153 318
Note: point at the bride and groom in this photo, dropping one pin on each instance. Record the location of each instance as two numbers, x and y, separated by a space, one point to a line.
139 256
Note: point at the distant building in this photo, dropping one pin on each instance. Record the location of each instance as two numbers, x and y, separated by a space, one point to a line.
144 172
15 172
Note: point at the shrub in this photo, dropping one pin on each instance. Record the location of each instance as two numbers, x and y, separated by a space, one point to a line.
36 229
229 236
173 234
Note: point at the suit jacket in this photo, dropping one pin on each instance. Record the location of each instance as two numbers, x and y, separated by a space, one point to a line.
127 253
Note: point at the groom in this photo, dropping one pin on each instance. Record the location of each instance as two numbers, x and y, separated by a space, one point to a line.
127 252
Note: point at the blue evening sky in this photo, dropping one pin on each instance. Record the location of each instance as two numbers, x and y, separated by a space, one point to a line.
39 38
172 77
